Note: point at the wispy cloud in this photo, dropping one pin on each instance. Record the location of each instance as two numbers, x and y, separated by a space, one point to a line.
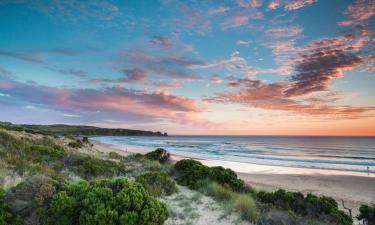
255 93
156 104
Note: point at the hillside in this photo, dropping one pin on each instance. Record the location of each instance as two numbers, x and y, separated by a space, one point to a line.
62 129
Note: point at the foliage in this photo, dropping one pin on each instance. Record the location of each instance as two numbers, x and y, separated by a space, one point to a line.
159 154
193 174
109 202
219 192
55 152
61 129
3 206
75 144
157 183
226 177
114 155
310 205
245 205
90 167
367 214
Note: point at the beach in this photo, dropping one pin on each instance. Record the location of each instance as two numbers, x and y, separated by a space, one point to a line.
352 188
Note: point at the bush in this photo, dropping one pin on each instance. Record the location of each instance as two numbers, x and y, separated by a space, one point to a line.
310 205
47 150
219 192
367 214
3 206
159 154
75 144
193 174
226 177
157 183
89 167
245 205
114 155
109 202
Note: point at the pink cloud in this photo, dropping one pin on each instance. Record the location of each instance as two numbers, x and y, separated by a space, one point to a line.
284 32
359 11
297 4
158 105
255 93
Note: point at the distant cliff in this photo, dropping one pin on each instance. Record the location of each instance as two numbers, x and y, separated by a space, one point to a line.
62 129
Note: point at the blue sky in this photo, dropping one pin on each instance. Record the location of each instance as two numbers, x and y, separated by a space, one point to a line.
238 67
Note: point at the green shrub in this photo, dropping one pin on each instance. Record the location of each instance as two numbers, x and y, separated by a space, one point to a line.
89 167
157 183
159 154
245 205
226 177
367 214
114 155
75 144
193 174
109 202
219 192
3 206
310 205
47 150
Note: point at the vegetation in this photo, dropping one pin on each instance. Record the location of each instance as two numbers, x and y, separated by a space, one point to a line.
244 204
311 205
110 202
157 183
48 196
367 214
194 175
90 167
55 152
159 154
75 144
3 206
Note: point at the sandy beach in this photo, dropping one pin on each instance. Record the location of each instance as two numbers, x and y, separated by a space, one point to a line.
352 188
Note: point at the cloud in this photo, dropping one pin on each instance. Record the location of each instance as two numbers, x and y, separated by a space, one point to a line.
284 32
242 42
74 72
359 11
72 10
134 75
165 85
237 64
289 4
255 93
297 4
158 105
4 72
33 57
217 10
274 5
168 64
161 40
320 62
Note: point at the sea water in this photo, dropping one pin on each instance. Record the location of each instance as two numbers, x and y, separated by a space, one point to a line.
355 154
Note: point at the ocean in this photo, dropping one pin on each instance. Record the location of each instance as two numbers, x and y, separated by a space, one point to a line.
354 154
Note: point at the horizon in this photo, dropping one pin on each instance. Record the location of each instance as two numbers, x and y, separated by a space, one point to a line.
228 68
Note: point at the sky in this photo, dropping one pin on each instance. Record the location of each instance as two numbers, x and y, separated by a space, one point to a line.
240 67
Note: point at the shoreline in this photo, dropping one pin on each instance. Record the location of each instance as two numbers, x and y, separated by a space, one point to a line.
352 188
